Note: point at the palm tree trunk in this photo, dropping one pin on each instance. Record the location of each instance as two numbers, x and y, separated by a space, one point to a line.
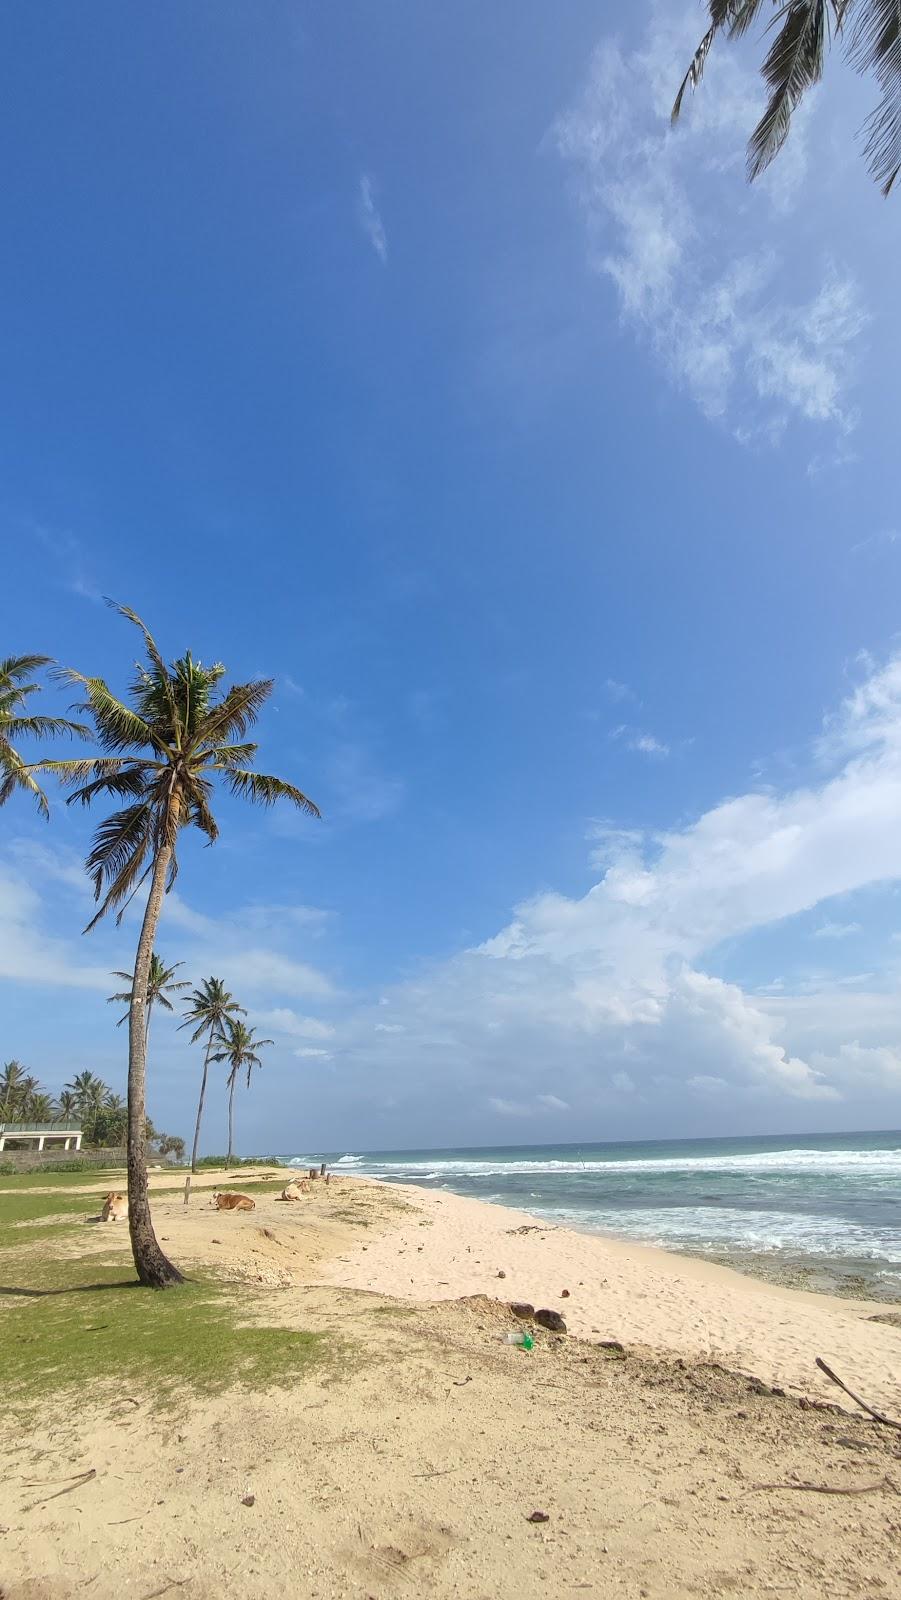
231 1119
206 1063
153 1268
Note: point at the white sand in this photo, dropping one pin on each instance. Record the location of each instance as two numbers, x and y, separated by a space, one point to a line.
633 1293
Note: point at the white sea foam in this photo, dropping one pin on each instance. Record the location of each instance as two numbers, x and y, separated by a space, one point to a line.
722 1228
807 1163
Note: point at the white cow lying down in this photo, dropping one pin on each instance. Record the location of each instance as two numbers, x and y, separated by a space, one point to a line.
296 1189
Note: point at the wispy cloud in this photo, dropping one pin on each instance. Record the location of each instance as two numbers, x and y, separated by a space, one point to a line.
837 930
645 744
370 218
674 228
884 538
619 692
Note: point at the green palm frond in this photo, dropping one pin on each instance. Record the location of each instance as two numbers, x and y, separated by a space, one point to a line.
876 48
15 668
116 725
232 755
264 790
17 723
15 775
795 62
793 65
237 711
44 727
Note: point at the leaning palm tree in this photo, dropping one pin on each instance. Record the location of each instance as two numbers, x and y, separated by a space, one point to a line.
16 724
160 754
240 1051
210 1008
159 987
804 30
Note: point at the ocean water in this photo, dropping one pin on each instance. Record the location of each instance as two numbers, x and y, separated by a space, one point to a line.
823 1212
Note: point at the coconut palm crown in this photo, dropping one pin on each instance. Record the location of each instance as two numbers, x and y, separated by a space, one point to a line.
159 986
803 31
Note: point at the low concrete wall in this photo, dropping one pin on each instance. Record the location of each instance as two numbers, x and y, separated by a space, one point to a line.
34 1160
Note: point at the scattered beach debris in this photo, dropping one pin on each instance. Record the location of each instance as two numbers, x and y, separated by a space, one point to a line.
248 1500
887 1422
501 1274
528 1227
564 1294
460 1383
79 1480
616 1349
521 1308
538 1516
520 1337
551 1320
827 1488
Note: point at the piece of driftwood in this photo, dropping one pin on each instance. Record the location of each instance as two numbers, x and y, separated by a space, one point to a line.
887 1422
81 1478
825 1488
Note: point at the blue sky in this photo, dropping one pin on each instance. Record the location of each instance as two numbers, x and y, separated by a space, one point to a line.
406 355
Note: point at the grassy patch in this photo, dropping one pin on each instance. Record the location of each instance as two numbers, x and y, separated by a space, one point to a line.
81 1322
82 1178
178 1344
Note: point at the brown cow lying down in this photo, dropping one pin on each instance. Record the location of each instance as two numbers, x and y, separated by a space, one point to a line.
295 1190
115 1208
233 1202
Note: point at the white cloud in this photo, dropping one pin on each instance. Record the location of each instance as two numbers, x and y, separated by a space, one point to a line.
370 218
837 930
673 226
645 744
312 1053
389 1027
579 981
617 692
29 954
283 1020
527 1108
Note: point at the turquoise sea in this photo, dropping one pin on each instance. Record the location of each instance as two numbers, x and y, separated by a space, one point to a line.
822 1211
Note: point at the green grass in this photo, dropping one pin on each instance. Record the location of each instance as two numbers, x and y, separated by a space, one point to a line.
45 1179
81 1323
214 1163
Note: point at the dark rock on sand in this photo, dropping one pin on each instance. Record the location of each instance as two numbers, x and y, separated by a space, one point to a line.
521 1308
550 1319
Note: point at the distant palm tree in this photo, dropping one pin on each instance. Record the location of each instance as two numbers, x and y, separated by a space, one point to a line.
39 1107
159 987
239 1050
15 772
210 1008
66 1105
89 1093
12 1081
115 1117
160 755
795 62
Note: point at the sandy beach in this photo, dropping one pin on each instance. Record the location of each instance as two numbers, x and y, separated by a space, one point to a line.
410 1459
